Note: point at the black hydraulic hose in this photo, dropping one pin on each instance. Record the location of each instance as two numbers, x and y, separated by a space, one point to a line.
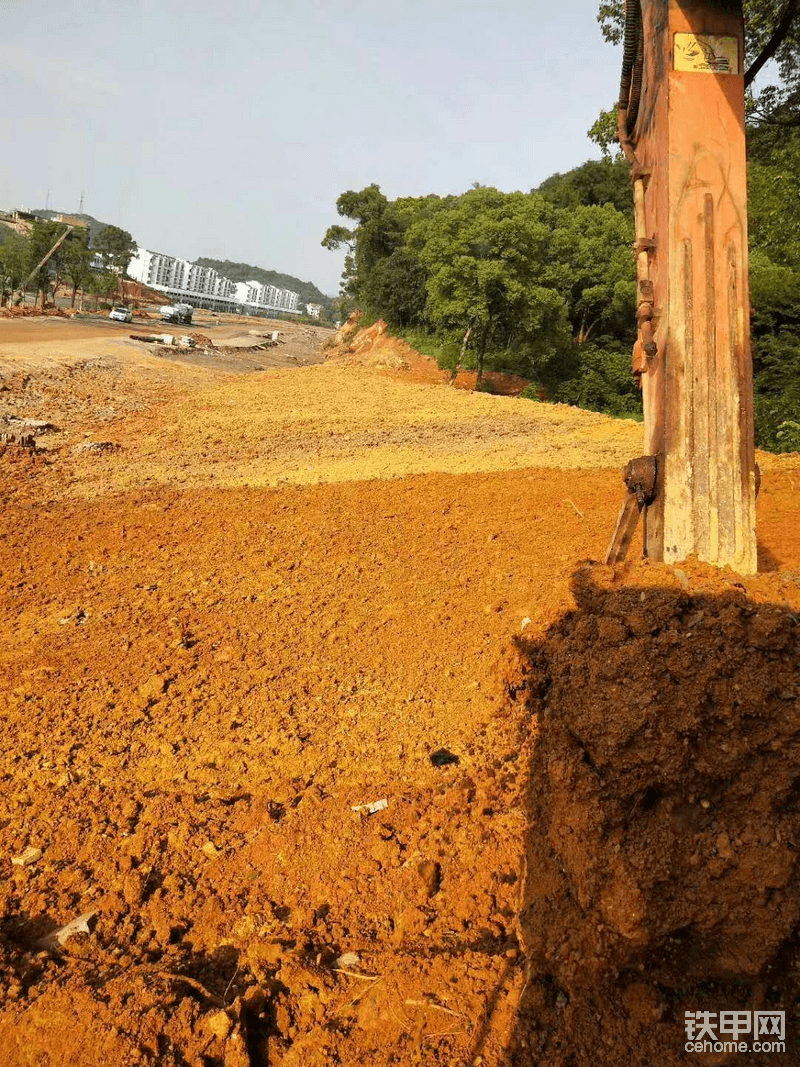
630 87
636 85
633 27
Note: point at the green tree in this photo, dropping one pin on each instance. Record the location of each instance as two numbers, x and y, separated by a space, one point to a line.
776 350
488 256
773 176
43 236
14 265
596 269
396 286
596 182
603 132
116 248
78 256
102 284
366 242
601 380
379 230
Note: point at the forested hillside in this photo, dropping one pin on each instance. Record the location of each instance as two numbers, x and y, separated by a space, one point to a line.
245 272
542 284
95 226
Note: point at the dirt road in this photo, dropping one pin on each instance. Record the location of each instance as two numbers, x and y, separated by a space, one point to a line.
288 594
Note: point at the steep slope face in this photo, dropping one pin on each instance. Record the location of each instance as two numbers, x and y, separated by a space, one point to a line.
375 346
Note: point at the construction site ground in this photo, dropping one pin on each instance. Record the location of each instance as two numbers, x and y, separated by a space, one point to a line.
239 605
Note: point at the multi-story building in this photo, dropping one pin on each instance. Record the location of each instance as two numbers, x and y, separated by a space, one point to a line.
202 280
158 270
205 287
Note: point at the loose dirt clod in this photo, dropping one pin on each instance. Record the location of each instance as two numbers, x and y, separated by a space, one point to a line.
29 856
663 805
97 446
79 925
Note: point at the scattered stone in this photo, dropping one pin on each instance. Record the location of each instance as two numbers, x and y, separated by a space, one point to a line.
20 440
525 622
210 849
98 446
34 425
30 855
442 757
349 959
219 1025
64 933
370 809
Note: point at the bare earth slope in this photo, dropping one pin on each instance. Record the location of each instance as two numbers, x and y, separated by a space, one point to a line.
287 594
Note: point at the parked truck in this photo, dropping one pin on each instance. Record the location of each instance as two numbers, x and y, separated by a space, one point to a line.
178 313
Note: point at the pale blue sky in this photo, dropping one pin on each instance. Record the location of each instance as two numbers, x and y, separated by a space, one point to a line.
229 129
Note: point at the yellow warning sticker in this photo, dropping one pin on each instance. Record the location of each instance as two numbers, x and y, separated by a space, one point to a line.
706 53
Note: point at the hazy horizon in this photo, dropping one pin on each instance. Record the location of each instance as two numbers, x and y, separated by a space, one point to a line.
230 133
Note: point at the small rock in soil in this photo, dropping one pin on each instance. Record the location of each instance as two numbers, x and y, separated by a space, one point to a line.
30 855
218 1024
97 446
442 757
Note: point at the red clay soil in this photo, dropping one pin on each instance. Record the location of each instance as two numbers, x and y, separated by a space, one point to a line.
590 777
23 312
375 346
663 815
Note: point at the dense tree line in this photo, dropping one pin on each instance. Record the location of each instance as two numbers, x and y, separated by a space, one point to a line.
70 264
539 284
542 284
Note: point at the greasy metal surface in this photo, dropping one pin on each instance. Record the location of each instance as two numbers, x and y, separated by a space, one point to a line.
640 477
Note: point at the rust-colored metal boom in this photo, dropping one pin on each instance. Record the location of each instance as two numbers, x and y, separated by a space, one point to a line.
681 125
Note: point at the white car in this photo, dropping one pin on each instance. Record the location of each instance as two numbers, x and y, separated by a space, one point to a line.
121 315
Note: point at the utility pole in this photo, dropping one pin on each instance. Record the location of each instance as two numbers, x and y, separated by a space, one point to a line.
681 126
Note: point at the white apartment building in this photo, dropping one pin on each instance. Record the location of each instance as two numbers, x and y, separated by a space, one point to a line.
202 280
158 270
204 287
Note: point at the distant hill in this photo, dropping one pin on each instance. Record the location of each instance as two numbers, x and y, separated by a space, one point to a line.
246 272
95 226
